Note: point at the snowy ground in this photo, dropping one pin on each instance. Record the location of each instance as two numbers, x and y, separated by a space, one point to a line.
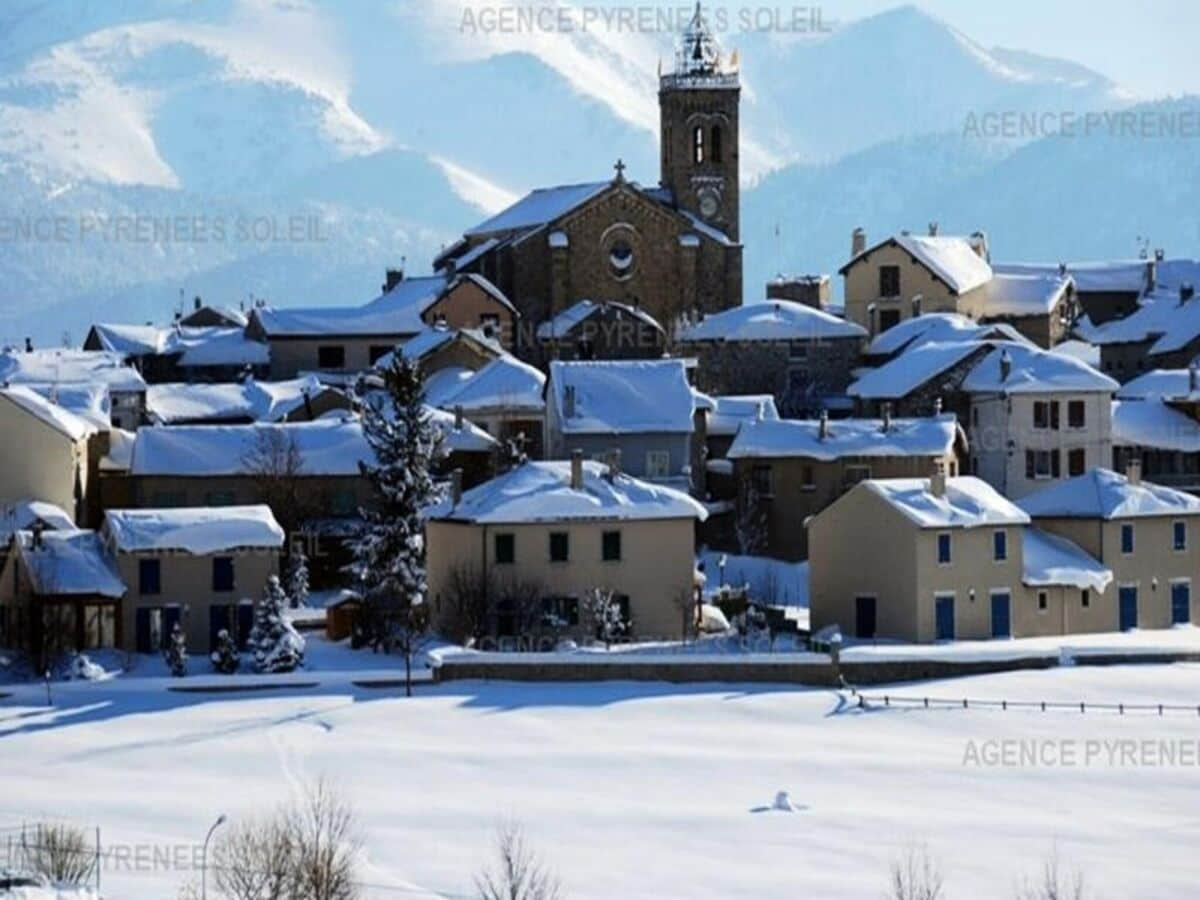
631 790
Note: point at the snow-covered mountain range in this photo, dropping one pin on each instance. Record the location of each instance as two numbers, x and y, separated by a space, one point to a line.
149 147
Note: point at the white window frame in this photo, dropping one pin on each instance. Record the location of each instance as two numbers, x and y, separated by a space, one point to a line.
658 463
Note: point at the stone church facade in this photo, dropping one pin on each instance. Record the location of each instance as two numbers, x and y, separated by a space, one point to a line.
669 250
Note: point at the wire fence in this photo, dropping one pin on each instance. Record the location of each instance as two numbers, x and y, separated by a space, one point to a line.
866 701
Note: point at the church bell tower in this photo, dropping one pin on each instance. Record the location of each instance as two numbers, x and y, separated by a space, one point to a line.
698 105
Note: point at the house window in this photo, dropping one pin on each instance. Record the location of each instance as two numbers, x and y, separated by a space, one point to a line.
855 474
1076 461
610 546
331 356
716 143
658 464
563 611
698 144
505 549
1043 601
343 503
888 318
1075 414
763 482
1085 598
943 549
1179 535
374 354
219 498
999 546
1127 538
222 574
1045 415
889 281
807 478
1041 464
560 546
149 577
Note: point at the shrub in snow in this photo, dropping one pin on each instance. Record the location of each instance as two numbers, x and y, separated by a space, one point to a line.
176 653
58 853
606 616
225 658
296 582
276 645
83 669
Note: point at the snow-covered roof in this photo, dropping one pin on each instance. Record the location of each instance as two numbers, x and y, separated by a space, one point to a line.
542 492
129 340
505 383
952 259
120 451
22 514
461 262
1032 294
1080 350
623 397
932 437
1051 560
394 312
69 563
1124 276
1151 422
1104 494
196 346
469 438
1173 384
67 423
771 320
199 530
1034 371
538 208
901 376
1161 318
940 328
66 366
257 401
91 402
445 382
968 502
730 412
327 446
561 324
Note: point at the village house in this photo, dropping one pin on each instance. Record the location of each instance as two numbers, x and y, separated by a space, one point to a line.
935 328
604 330
1162 333
1104 290
240 403
100 383
1147 534
811 290
181 352
1034 417
1156 419
543 535
787 470
201 567
27 515
799 354
447 357
920 381
644 410
506 398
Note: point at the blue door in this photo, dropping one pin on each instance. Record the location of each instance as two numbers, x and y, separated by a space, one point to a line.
1129 610
864 617
945 618
1181 604
1001 616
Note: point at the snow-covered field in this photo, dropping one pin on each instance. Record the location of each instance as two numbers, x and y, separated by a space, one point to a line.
631 790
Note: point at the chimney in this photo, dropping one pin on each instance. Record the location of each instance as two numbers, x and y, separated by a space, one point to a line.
614 464
1159 254
858 242
933 229
1193 376
823 425
569 401
455 488
36 531
937 406
1186 292
1005 364
1133 470
28 345
392 278
308 407
577 470
1062 269
197 303
916 306
937 481
979 243
887 417
458 417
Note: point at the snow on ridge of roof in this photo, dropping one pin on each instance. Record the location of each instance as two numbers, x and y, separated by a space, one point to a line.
65 422
1151 422
1080 350
506 383
1161 317
470 255
538 207
1169 384
1125 276
217 345
1024 294
940 328
952 259
196 530
70 563
1034 371
91 402
562 323
968 502
1051 560
20 515
901 376
129 340
934 436
260 401
1104 494
469 438
69 366
623 397
771 320
731 411
542 492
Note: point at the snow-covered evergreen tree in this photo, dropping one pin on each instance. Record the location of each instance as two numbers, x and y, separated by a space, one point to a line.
225 657
297 575
176 653
276 645
389 554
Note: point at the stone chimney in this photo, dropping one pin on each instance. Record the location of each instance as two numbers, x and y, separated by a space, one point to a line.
1005 364
392 278
933 229
455 488
458 417
937 481
823 425
1133 470
577 470
1186 292
1062 269
979 243
28 345
197 303
858 242
886 412
937 406
614 464
569 401
36 531
1193 376
1159 254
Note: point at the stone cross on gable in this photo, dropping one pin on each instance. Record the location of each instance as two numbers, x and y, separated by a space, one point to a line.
620 169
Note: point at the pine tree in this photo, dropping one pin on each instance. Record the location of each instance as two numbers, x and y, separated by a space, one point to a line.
176 653
276 645
297 575
389 554
225 658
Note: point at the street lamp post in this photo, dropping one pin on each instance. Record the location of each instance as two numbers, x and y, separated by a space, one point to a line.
204 856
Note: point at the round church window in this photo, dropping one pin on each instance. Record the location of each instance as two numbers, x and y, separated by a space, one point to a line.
621 259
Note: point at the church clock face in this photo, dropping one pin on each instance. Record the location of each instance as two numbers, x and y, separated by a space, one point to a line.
710 203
